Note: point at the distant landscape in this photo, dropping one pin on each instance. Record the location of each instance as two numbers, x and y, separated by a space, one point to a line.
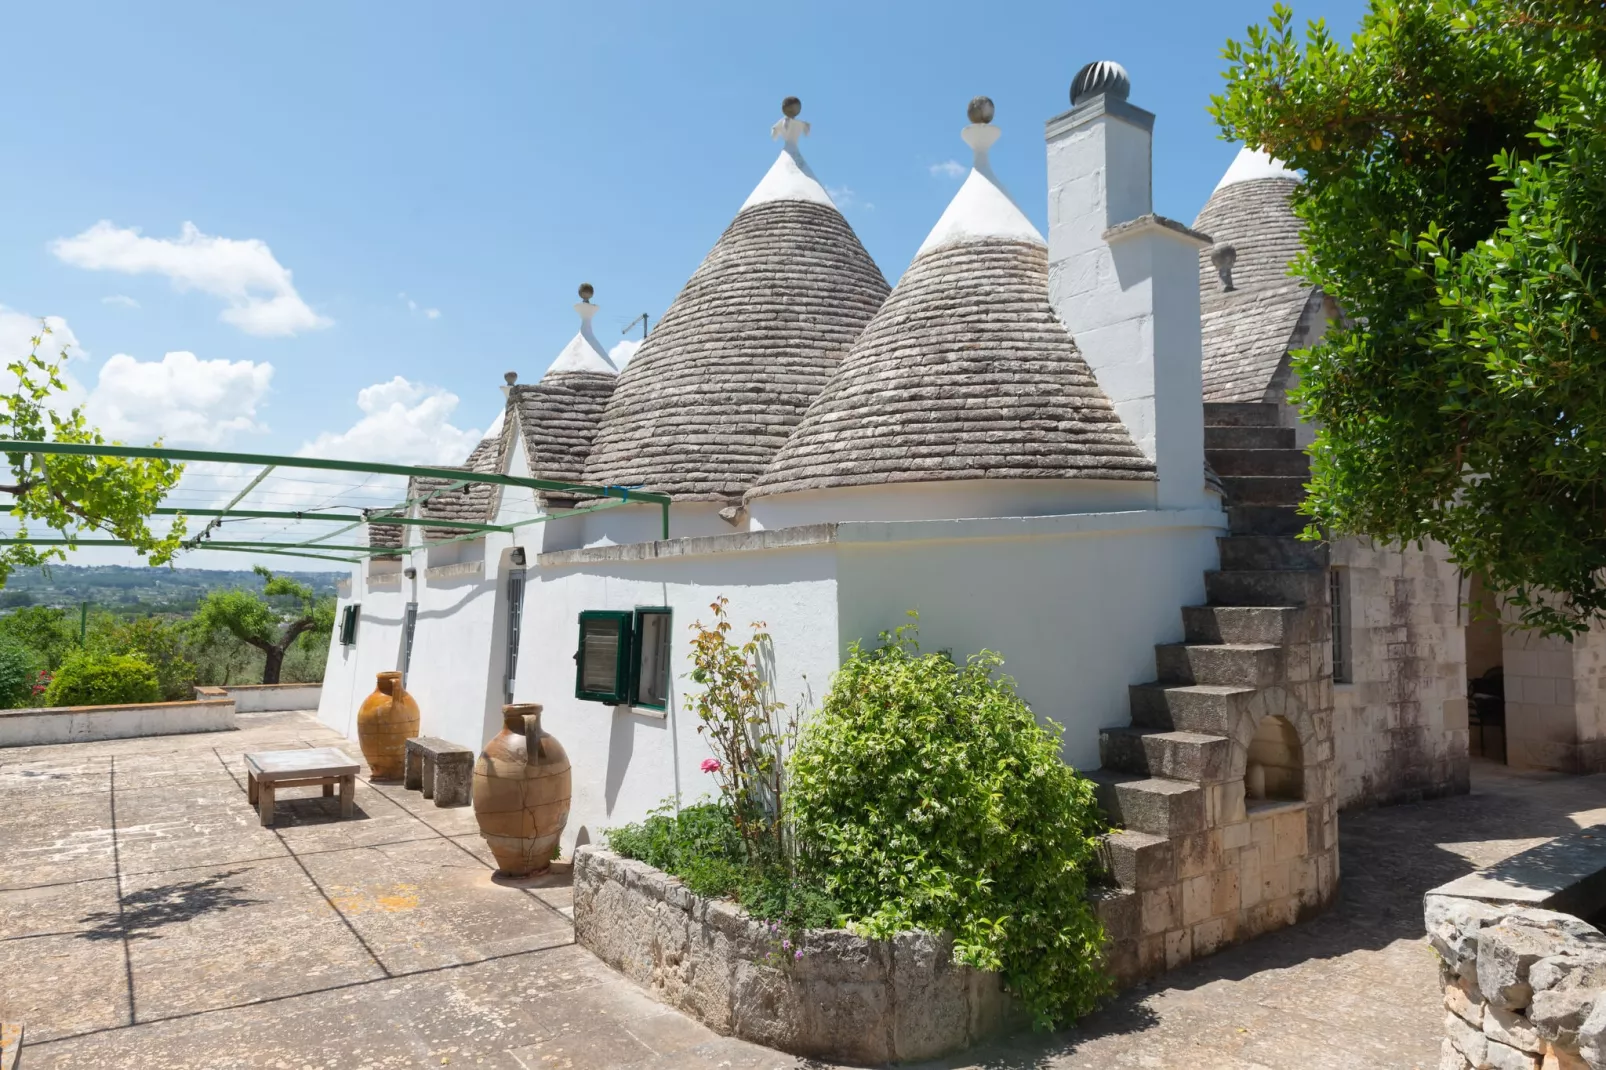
137 592
88 635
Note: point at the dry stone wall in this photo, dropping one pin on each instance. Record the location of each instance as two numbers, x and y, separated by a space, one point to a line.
1522 986
1400 722
844 998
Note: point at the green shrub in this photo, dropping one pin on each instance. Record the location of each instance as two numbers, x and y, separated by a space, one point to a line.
933 799
19 668
103 680
703 846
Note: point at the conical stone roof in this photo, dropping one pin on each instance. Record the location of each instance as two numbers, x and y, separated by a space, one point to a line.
558 417
1247 330
751 340
965 372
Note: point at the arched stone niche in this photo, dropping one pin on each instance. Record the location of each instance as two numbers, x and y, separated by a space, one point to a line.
1276 762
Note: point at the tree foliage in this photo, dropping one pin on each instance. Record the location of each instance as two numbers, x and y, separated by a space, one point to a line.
18 671
1455 208
933 799
47 631
87 679
271 622
70 495
159 641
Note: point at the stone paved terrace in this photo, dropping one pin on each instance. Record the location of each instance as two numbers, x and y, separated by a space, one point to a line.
147 920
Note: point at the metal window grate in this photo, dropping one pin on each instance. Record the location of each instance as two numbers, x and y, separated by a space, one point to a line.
1339 610
515 613
408 628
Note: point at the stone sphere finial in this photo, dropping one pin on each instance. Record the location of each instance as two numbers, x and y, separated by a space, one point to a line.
510 378
1102 76
791 107
586 291
980 109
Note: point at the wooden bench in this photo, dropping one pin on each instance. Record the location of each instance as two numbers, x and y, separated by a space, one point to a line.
268 771
443 771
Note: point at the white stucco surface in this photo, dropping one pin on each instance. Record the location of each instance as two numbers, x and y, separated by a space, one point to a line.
583 353
982 209
268 698
85 724
1251 164
789 179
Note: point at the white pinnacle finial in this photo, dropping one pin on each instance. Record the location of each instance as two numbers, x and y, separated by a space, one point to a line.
982 209
790 126
584 353
789 178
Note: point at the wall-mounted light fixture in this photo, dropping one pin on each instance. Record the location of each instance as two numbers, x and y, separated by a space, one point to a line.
410 572
518 557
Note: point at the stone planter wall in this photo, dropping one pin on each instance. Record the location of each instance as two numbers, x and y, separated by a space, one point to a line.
1521 986
846 999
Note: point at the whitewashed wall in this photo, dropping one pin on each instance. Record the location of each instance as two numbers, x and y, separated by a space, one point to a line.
1074 604
627 762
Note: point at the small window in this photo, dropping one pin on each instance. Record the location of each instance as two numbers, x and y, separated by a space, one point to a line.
348 626
602 663
1338 606
652 658
623 657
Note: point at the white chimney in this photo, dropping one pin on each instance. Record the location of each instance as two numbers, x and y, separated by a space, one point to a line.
1126 281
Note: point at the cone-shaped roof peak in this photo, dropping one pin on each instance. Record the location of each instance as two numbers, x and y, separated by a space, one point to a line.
983 208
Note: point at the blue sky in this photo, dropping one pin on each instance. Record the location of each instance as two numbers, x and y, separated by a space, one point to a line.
482 159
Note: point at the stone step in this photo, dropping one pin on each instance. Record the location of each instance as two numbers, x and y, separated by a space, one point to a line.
1264 490
1283 625
1261 552
1196 757
1154 805
1269 587
1229 665
1265 520
1257 462
1240 414
1138 861
1249 438
1206 708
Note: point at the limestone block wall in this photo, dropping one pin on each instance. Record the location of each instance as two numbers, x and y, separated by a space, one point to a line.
1522 986
1555 713
832 996
1400 722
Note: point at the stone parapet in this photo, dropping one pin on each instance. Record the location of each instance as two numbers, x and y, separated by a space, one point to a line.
844 998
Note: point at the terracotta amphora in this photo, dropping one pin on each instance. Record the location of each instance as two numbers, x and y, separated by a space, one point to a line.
521 793
387 720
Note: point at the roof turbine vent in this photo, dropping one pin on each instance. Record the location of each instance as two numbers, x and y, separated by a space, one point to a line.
1102 77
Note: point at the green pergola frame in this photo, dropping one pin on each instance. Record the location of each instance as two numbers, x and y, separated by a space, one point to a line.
316 547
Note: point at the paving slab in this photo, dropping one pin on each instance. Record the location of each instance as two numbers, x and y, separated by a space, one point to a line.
55 839
427 904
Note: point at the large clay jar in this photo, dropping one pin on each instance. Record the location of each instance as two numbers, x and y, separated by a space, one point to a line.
521 793
387 720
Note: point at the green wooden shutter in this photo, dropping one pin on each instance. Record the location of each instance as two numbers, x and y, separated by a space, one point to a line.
602 660
348 625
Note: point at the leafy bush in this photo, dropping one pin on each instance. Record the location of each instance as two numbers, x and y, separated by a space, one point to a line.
158 641
935 800
18 670
86 679
703 846
44 630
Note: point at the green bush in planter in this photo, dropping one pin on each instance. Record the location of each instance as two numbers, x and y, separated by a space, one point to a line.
18 670
103 680
933 799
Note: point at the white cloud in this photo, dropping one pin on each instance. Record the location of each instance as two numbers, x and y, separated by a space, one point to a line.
846 198
412 306
949 169
623 351
179 399
403 422
17 331
120 299
261 297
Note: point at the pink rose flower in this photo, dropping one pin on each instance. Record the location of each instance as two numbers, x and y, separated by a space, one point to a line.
711 765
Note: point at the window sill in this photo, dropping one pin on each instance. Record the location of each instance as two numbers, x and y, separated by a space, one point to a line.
642 711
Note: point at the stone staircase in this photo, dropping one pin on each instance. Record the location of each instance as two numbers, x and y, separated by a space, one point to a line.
1198 866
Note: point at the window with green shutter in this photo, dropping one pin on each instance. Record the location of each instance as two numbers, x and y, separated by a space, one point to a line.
650 665
603 661
348 625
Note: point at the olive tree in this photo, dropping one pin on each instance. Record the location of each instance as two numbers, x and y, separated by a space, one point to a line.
271 621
